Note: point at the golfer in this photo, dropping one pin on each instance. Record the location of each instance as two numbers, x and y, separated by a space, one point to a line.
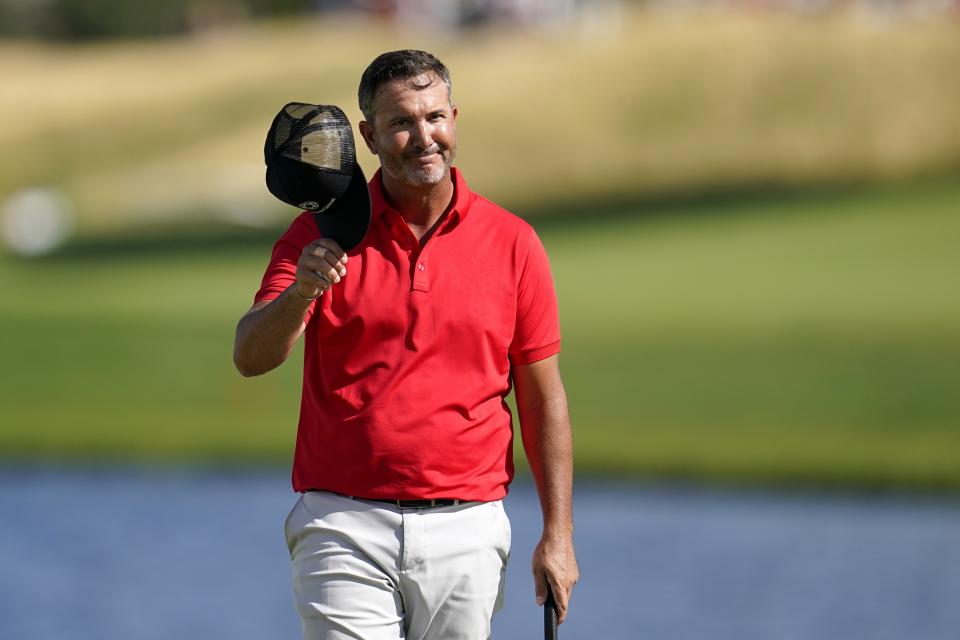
413 341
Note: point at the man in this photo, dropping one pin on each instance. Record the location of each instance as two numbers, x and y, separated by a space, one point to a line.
412 341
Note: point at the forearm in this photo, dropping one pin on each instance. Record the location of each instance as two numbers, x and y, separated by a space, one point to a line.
267 333
548 444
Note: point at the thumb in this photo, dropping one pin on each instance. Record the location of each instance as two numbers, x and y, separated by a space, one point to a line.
540 584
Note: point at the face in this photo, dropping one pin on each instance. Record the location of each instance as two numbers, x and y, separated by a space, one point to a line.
413 131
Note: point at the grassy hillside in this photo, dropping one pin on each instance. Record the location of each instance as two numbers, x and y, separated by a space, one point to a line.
145 133
808 340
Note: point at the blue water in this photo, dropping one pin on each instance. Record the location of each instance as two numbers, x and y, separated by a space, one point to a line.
191 554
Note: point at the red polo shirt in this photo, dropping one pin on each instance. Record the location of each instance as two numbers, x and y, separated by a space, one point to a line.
407 360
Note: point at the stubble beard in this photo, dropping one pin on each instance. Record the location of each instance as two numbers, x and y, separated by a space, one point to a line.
421 176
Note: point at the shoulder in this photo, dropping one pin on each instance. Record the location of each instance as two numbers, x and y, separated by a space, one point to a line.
302 231
498 220
505 237
488 216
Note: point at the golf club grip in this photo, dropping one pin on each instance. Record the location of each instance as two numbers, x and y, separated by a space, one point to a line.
550 617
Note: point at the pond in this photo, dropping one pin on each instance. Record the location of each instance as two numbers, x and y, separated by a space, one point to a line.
191 553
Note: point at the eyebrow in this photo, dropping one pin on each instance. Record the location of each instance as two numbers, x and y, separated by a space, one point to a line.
394 114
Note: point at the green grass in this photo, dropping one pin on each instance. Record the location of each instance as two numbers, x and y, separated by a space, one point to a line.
806 340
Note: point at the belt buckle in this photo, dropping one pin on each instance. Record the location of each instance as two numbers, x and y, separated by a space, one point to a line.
400 504
426 503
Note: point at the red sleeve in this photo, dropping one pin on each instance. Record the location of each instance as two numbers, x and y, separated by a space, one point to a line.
282 270
537 334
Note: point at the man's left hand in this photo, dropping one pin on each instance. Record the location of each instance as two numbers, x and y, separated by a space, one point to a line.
555 563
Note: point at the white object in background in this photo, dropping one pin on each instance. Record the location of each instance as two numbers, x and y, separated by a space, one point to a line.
36 221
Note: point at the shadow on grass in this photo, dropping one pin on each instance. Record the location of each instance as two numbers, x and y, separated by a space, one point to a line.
720 200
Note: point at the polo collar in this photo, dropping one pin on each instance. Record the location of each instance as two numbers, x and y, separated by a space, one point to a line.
462 196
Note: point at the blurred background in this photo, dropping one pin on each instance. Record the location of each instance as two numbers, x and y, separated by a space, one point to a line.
752 209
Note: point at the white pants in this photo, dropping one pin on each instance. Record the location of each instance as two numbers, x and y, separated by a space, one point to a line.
371 571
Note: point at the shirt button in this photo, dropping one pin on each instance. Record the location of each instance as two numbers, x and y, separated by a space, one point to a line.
421 267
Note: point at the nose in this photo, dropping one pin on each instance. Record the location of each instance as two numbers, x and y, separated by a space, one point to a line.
422 135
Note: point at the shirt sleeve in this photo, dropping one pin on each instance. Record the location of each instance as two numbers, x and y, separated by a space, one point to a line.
537 332
282 270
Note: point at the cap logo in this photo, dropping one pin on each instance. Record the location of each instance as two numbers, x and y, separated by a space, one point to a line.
313 205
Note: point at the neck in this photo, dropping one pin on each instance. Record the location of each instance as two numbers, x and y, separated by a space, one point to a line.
421 207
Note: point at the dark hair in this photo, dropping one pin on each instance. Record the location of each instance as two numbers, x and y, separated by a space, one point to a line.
407 63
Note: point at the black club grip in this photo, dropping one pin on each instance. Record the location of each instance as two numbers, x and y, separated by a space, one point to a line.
550 617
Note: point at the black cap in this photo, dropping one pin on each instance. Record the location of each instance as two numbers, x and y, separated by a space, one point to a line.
312 164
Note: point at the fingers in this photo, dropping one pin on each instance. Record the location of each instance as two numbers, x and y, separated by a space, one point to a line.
328 248
562 597
327 259
540 587
555 564
561 594
322 264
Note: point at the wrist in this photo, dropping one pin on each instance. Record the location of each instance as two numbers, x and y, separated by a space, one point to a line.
557 532
296 291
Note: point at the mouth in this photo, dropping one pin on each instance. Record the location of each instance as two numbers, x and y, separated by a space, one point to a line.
426 158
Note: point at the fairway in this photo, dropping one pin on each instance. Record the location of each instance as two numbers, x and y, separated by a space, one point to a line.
798 340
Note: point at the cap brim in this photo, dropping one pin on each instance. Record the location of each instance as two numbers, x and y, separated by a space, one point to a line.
302 185
347 220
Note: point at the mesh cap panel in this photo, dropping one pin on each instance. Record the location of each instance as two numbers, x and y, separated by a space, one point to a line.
299 110
324 149
318 136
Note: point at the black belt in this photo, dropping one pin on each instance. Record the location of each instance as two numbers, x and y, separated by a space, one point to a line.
407 504
414 504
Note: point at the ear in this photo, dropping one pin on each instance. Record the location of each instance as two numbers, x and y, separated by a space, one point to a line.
366 130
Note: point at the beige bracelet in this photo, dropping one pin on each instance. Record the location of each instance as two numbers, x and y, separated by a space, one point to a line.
303 297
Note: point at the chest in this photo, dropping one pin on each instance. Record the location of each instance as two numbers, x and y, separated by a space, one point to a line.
459 289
